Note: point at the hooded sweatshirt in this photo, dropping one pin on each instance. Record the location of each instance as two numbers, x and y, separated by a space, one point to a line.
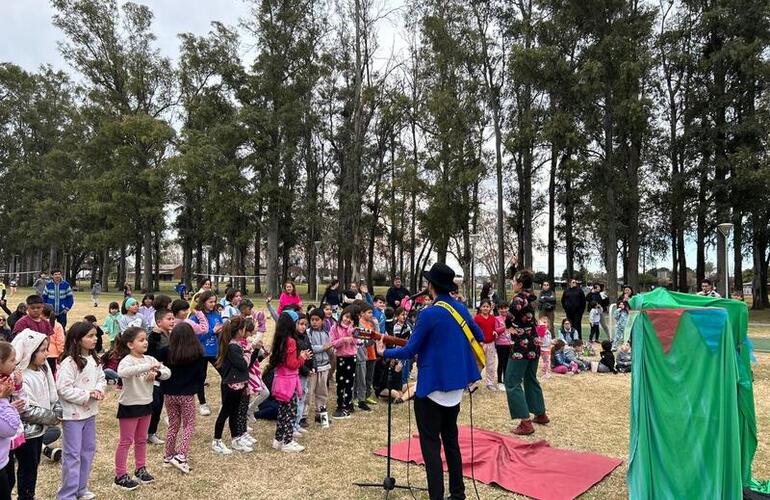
343 341
42 409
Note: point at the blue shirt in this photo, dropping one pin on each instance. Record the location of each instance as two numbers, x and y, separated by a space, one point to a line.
380 317
445 361
210 340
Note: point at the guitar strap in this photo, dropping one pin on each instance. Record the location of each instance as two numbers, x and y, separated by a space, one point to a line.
478 351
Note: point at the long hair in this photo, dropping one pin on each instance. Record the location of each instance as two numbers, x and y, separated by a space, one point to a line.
48 314
183 346
161 302
6 351
148 296
203 297
227 334
284 328
293 288
121 346
72 344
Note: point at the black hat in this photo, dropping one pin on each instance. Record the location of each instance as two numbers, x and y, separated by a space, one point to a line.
442 276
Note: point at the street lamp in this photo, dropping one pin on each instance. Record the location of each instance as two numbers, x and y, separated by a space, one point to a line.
474 240
317 274
725 229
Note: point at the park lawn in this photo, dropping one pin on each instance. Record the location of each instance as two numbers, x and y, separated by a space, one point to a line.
589 412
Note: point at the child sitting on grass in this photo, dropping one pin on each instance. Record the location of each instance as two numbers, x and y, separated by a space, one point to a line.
572 353
560 363
623 363
607 361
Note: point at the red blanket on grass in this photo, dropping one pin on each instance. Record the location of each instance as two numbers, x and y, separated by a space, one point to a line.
533 469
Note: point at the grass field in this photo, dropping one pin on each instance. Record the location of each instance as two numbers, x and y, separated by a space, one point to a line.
589 412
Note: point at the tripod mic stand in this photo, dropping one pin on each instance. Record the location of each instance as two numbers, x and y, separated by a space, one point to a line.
389 482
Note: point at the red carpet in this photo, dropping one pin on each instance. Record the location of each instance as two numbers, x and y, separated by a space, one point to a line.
532 469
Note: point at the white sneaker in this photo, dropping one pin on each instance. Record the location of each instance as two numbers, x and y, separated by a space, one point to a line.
297 434
154 439
204 410
301 430
219 447
277 445
293 447
239 445
250 440
88 495
249 429
500 387
252 419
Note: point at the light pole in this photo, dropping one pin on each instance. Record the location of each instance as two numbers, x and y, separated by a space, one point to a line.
317 274
725 229
474 240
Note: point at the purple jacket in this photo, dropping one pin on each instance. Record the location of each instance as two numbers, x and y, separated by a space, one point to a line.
9 425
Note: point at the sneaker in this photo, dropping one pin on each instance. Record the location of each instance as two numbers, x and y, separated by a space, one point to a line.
541 419
524 428
219 447
372 400
167 462
180 462
501 387
239 445
154 439
52 454
301 430
143 476
250 441
297 434
303 423
491 387
204 410
340 414
277 445
362 405
88 495
125 482
293 447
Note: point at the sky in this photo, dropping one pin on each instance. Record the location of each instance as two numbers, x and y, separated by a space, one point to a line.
29 38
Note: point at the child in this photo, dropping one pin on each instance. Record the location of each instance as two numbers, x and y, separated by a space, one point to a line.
207 305
56 345
567 333
9 423
595 318
130 316
403 330
286 384
502 344
621 317
258 389
571 353
320 342
233 299
80 386
34 319
157 340
379 313
366 358
390 320
235 376
545 347
138 373
96 291
147 311
303 344
184 357
345 348
110 361
112 323
487 323
329 320
181 311
99 332
289 296
251 348
623 364
607 361
560 364
42 408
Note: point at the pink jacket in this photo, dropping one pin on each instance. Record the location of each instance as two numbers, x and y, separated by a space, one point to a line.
286 379
340 336
285 300
199 328
503 336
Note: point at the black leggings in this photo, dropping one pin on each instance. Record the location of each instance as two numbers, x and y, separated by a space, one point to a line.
346 378
6 473
28 458
503 353
284 426
231 400
157 408
202 390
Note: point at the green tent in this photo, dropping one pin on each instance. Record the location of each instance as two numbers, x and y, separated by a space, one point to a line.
693 427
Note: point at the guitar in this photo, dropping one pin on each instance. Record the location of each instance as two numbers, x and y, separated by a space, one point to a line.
388 340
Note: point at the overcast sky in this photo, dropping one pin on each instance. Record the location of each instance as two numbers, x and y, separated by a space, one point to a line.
29 39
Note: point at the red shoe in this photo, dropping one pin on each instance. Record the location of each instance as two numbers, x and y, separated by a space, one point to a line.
524 429
541 419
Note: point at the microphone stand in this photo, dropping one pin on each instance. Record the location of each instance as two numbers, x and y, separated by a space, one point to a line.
389 482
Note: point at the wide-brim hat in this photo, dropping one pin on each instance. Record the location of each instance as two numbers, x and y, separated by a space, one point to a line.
442 276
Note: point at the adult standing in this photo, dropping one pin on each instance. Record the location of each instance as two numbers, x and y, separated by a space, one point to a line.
96 291
332 295
628 292
707 289
447 365
525 396
396 293
546 304
58 294
573 300
40 283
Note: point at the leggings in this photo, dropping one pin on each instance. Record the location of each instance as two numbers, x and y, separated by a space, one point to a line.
503 353
346 378
284 427
202 390
5 483
181 414
157 408
231 400
132 431
243 415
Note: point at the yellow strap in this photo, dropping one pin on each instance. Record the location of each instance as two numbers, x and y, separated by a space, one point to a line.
478 351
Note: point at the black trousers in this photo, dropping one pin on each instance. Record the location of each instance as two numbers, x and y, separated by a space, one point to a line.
231 400
576 319
594 333
438 424
157 408
28 458
346 378
503 353
202 390
6 473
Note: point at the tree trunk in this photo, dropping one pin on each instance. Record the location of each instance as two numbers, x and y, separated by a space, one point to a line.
156 260
552 214
737 250
138 261
759 256
121 274
105 260
258 258
272 285
569 218
611 238
147 259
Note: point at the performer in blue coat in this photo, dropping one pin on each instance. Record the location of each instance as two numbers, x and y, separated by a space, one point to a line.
446 365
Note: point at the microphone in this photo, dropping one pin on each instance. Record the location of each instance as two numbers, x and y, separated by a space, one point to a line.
418 294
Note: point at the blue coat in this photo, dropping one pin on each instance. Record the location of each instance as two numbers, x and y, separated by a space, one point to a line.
445 361
59 296
210 340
